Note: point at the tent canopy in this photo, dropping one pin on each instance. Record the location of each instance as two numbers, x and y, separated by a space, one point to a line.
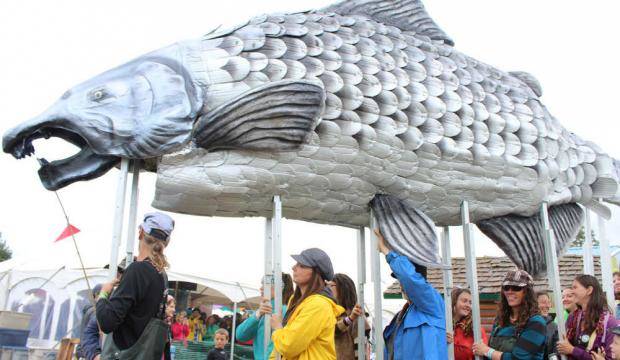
51 285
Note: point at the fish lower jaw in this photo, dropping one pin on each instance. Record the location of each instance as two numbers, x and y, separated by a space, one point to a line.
83 165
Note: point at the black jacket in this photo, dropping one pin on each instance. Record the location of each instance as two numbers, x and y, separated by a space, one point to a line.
135 301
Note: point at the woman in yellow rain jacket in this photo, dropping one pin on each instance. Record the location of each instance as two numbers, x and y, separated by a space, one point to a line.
307 331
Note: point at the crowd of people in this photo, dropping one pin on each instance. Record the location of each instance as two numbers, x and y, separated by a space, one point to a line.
321 317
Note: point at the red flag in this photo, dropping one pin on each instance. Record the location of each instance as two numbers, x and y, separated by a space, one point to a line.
68 231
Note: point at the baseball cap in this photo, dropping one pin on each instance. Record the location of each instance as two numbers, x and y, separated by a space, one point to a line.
518 278
158 225
318 259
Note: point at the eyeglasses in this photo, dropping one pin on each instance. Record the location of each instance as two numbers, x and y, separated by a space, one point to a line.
512 288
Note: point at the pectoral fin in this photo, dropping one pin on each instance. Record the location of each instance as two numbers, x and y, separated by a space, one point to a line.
521 238
277 116
407 230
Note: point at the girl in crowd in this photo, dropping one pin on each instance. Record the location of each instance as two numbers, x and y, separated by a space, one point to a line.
196 326
212 325
307 330
589 328
180 328
544 306
253 328
519 329
343 289
568 301
463 337
171 305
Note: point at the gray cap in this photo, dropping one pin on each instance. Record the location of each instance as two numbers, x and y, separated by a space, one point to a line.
158 225
318 259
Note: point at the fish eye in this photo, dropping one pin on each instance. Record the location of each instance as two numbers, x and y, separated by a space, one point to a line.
98 95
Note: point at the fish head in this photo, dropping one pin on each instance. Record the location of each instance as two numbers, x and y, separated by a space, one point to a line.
140 110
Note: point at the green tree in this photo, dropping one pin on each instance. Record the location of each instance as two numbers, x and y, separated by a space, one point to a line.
581 238
5 252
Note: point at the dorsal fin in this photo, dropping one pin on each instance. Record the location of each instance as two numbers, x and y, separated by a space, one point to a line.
407 15
529 80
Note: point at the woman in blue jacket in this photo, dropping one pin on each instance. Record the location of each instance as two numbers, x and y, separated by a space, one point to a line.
418 331
253 328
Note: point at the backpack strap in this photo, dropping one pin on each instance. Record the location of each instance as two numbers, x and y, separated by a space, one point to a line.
161 314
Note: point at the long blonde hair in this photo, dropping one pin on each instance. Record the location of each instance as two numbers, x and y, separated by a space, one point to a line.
158 258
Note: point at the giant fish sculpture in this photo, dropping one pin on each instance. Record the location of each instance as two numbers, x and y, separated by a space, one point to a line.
362 104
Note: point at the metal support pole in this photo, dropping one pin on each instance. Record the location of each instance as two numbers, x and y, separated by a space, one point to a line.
267 280
606 272
553 271
361 280
375 268
234 329
588 259
447 284
277 256
472 272
119 212
133 212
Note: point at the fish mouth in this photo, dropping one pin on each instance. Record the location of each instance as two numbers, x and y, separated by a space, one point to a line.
84 165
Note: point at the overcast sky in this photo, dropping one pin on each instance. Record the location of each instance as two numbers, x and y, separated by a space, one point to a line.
50 46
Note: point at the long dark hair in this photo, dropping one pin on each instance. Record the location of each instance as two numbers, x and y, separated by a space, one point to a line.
317 284
347 296
528 308
465 323
597 304
287 287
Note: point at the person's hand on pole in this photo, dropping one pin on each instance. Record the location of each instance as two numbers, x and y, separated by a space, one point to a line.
106 289
356 312
264 308
382 247
480 349
276 321
450 337
565 347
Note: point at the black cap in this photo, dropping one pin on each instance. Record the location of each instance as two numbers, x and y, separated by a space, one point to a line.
318 259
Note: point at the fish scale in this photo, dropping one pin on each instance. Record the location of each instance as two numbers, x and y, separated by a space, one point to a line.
492 92
331 109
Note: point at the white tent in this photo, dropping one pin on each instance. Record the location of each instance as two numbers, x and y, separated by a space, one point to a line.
52 286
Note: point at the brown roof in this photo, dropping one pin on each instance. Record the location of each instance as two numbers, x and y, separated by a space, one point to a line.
491 271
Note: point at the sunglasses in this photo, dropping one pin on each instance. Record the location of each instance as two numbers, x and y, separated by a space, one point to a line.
514 288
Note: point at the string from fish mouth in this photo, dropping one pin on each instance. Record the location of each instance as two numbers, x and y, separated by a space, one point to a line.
41 162
62 207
